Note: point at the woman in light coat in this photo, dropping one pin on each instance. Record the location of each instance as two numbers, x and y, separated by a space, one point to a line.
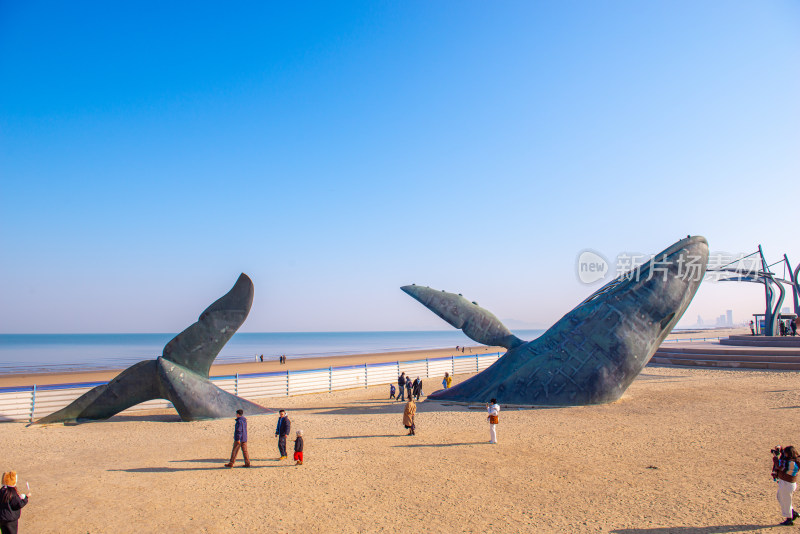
409 415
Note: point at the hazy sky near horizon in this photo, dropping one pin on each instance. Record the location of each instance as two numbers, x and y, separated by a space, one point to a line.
150 152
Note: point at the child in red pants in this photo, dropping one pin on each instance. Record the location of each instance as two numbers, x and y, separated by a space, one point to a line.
298 448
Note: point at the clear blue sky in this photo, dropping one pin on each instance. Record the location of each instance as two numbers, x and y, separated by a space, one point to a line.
150 152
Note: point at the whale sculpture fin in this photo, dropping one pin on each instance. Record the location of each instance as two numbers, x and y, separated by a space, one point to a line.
134 385
198 345
180 375
196 398
478 324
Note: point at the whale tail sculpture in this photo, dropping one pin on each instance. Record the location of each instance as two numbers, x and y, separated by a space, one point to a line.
594 352
180 375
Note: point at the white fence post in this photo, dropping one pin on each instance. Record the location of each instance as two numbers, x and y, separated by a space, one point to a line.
330 379
366 379
427 368
33 402
287 382
236 385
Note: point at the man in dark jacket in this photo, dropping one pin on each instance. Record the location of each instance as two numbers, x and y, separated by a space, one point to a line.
282 430
239 439
401 381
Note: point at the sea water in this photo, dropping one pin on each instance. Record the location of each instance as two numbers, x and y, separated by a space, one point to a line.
40 353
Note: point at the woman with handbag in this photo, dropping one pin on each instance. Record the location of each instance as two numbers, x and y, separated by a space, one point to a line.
788 467
494 411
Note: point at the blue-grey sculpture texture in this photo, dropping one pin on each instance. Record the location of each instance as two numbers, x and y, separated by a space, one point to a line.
180 375
594 352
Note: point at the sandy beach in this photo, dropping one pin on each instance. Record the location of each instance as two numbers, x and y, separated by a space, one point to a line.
684 450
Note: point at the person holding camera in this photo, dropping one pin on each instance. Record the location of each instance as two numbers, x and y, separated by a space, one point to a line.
494 411
788 466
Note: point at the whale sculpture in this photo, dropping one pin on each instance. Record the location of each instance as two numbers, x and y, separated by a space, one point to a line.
180 375
594 352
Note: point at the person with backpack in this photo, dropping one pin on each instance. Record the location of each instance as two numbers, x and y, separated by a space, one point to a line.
788 467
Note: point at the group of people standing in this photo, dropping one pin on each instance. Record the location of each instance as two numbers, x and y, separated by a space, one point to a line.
410 411
788 328
406 385
785 328
281 432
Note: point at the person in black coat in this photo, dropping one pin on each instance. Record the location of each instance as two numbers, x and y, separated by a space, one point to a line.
417 388
11 503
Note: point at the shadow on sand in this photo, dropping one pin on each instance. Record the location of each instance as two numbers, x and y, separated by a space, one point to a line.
218 467
720 529
360 437
443 444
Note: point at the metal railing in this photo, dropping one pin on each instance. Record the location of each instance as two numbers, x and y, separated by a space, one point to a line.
690 339
28 403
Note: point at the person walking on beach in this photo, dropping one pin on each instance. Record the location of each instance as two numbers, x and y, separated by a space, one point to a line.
11 503
401 383
752 328
494 411
282 430
787 483
298 448
392 391
409 386
447 381
239 439
417 387
409 414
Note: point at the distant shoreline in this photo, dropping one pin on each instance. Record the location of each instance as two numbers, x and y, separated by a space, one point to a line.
226 369
293 364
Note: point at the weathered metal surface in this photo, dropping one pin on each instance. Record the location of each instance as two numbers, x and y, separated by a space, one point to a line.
478 324
180 375
595 351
